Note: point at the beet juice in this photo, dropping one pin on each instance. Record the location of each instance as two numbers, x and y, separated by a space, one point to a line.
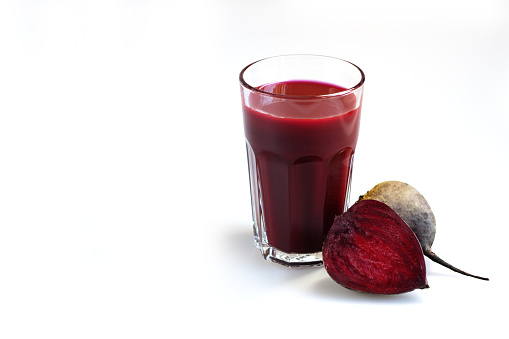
300 136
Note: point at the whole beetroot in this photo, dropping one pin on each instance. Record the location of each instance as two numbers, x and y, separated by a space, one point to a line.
411 206
369 248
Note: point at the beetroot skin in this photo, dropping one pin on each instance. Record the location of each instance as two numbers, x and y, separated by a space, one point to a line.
371 249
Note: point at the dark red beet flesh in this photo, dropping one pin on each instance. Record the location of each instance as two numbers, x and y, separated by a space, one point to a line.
371 249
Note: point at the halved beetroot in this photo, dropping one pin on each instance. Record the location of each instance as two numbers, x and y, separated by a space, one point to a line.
371 249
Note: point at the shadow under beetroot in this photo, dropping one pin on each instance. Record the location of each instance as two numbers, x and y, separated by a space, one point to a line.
328 289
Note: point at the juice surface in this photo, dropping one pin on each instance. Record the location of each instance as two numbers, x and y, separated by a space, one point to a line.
302 152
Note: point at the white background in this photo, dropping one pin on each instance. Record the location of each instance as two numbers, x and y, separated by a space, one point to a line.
124 196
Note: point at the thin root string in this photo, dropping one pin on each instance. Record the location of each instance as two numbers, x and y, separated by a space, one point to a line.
430 254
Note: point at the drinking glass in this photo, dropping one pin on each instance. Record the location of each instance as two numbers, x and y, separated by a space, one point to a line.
301 122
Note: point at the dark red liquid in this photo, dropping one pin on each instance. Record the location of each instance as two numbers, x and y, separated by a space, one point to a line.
303 151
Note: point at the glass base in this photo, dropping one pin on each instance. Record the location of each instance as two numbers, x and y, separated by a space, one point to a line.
287 259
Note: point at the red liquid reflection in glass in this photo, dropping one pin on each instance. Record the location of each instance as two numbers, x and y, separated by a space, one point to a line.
302 163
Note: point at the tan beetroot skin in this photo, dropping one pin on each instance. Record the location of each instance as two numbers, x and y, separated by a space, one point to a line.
371 249
411 206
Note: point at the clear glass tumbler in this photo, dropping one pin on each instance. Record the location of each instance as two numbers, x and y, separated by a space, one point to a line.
301 122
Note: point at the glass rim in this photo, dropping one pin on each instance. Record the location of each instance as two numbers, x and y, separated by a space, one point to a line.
244 83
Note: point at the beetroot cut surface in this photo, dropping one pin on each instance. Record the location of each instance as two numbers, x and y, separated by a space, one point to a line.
371 249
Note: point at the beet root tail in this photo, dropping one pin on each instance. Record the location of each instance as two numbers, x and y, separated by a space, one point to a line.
430 254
